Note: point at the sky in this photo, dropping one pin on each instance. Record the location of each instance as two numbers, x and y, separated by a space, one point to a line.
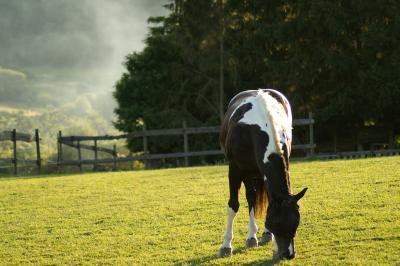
64 53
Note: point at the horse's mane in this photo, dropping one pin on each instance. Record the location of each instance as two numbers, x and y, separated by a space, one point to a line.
282 170
272 108
271 105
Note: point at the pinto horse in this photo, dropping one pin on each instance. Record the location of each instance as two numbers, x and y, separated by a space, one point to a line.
256 137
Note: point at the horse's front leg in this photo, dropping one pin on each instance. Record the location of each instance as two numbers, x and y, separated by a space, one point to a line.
266 237
233 207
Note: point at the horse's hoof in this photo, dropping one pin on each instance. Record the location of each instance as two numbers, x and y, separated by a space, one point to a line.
225 252
251 243
275 257
266 237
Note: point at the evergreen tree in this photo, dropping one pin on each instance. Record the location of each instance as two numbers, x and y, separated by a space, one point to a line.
339 59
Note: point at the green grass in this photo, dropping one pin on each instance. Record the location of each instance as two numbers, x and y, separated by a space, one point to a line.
350 216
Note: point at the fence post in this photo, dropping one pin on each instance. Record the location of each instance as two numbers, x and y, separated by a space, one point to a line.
311 132
14 140
95 155
60 153
58 150
79 156
185 143
38 159
145 146
132 162
391 137
115 157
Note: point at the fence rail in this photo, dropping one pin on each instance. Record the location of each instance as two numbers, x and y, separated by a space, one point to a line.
88 147
145 133
359 154
75 142
15 136
18 136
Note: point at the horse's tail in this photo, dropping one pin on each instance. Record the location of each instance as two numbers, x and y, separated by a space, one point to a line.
261 199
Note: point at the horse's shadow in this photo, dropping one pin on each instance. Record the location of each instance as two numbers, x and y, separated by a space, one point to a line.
209 259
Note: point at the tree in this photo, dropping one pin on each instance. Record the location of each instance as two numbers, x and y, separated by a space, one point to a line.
339 59
175 77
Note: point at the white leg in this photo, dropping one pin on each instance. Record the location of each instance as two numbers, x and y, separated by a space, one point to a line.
229 229
253 228
252 241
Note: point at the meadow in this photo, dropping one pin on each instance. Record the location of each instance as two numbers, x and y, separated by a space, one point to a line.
350 215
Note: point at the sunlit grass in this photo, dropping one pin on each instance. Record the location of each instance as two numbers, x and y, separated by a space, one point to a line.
350 215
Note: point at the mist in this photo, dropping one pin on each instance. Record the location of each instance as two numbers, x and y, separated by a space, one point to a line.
69 53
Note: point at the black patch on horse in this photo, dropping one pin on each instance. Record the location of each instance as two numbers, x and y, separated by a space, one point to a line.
239 113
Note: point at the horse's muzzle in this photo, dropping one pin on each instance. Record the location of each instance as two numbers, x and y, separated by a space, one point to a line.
284 255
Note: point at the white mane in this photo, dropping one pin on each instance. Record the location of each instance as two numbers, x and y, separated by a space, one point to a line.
273 110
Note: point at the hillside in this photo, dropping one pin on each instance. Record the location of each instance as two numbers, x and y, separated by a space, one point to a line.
49 121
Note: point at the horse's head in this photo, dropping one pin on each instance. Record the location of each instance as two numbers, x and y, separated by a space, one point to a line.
283 218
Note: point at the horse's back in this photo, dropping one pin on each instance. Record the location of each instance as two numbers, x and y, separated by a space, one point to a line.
251 115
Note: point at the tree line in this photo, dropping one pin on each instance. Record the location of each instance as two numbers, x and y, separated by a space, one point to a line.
339 59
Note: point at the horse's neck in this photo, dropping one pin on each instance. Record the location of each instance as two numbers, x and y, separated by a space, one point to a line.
279 191
279 183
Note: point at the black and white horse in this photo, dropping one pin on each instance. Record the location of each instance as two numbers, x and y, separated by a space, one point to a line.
256 136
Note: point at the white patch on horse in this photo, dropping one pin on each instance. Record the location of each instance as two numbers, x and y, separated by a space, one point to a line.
268 114
291 249
229 229
256 116
274 244
253 228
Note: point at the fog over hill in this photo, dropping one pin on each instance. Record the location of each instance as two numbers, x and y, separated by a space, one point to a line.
68 53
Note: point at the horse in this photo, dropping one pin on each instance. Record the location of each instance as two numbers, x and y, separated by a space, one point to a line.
256 136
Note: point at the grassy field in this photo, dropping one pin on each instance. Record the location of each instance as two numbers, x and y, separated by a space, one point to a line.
350 216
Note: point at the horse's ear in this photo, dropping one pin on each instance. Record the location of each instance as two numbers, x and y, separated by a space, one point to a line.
299 195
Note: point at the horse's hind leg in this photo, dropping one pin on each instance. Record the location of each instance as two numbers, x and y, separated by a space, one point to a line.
235 180
251 200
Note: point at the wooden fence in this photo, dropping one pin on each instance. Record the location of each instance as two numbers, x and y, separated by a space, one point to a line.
358 154
15 136
185 132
